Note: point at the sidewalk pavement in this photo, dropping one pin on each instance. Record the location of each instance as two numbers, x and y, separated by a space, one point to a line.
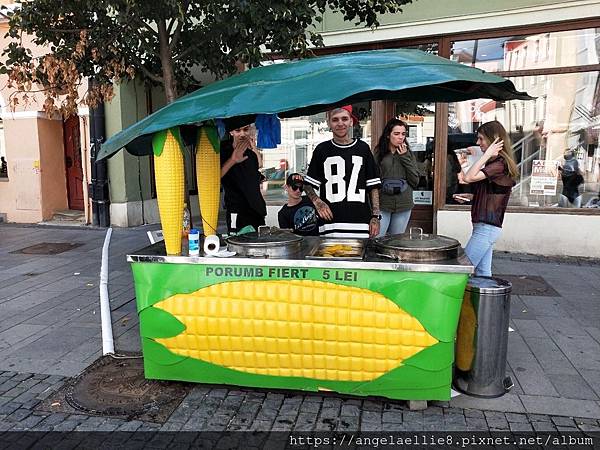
50 331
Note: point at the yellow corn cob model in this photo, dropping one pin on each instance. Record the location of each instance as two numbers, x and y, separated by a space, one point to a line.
299 328
169 176
208 179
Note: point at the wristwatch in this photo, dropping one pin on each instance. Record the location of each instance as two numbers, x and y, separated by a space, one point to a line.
376 216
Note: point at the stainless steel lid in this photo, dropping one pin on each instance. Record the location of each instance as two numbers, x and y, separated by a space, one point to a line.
266 237
418 246
489 285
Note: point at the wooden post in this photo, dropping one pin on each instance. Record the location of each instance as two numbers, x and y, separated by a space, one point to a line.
381 112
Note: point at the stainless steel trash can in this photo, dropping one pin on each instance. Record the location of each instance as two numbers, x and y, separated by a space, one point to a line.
482 338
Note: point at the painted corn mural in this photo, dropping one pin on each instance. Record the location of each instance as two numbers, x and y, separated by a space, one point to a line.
382 333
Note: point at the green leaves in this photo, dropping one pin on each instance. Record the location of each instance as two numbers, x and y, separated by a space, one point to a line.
117 40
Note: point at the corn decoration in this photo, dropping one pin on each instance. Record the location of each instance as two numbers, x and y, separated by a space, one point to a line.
169 177
208 178
298 328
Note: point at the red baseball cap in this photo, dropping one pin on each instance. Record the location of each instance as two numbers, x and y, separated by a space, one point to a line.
349 109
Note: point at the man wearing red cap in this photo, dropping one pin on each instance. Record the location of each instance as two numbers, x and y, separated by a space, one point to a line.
344 171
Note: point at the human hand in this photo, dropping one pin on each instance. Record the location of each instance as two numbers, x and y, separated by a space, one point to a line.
239 148
374 225
494 148
402 148
323 210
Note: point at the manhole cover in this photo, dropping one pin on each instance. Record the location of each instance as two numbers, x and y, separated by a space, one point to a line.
530 285
48 248
117 388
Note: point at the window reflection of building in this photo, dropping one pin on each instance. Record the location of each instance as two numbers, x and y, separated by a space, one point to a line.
564 115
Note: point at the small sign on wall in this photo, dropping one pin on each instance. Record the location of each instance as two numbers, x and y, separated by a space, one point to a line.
423 197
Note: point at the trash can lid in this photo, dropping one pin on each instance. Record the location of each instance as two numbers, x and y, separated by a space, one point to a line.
489 285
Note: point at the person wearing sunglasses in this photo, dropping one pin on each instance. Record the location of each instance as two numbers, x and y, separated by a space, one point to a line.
299 214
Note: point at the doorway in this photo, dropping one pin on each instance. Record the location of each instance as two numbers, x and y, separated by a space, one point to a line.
74 169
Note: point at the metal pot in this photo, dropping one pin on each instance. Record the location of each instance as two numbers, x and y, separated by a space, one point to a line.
266 243
416 246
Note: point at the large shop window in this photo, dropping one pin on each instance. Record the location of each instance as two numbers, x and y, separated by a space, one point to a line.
527 52
554 137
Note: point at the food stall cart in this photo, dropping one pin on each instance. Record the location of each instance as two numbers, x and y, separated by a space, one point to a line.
374 317
363 322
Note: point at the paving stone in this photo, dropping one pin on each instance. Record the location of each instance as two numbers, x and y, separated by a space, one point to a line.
516 418
572 386
520 426
393 416
476 424
563 421
305 422
561 406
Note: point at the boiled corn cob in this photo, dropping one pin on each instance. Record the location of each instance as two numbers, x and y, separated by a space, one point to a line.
169 177
208 179
298 328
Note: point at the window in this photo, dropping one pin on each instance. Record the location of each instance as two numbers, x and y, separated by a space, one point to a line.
554 138
556 49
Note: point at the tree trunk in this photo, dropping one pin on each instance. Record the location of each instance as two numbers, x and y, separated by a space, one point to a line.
166 60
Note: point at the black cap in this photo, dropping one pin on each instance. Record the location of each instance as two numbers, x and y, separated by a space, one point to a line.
233 123
290 179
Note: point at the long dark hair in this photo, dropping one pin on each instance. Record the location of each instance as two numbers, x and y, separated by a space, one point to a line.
383 146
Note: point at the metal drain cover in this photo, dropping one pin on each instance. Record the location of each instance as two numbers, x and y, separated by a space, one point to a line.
48 248
117 388
530 285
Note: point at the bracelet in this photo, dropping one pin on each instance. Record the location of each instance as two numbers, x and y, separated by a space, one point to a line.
376 216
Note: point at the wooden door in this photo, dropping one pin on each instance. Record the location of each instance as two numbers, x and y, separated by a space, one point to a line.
73 162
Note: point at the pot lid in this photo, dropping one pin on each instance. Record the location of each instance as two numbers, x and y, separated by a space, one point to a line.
273 237
416 240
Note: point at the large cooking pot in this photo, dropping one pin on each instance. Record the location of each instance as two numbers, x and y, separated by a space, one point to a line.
416 246
268 242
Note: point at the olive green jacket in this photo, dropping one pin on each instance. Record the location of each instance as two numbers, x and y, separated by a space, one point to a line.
399 166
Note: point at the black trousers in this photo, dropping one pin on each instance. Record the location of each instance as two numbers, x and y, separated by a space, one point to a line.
238 220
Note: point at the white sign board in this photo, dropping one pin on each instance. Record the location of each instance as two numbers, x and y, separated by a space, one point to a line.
423 197
544 177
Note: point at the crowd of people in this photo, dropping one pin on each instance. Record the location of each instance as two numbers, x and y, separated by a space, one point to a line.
364 194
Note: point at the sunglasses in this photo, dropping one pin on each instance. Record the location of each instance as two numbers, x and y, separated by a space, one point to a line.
296 187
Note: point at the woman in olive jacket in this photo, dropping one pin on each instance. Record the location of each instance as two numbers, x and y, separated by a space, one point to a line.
399 175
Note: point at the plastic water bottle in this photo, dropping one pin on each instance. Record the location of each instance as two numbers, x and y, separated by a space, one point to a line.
187 221
194 242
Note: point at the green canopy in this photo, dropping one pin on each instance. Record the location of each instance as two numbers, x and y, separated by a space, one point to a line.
314 85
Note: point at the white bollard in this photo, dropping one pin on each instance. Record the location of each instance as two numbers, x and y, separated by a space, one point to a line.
108 345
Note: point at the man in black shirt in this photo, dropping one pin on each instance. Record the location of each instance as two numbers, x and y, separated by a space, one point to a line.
347 176
241 179
299 214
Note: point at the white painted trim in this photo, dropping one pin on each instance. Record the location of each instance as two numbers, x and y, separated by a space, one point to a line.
20 115
460 24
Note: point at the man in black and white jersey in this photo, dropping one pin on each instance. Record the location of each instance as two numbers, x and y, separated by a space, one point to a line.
347 176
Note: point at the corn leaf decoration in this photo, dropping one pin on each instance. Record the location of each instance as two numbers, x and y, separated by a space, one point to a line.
169 177
208 177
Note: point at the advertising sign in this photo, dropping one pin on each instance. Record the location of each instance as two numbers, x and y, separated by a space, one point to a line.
544 177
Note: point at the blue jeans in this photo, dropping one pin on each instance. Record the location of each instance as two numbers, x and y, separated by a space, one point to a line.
393 223
480 246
